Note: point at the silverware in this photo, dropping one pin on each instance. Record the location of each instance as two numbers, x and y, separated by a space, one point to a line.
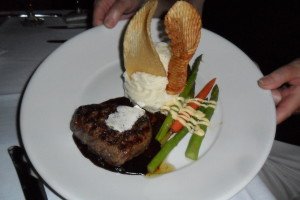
32 186
56 41
24 15
69 26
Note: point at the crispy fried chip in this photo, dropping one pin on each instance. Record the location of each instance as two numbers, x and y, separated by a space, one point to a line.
139 52
183 25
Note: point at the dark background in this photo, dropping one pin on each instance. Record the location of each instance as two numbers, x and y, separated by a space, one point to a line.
268 31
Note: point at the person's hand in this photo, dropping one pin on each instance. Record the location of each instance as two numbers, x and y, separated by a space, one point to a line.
109 12
285 85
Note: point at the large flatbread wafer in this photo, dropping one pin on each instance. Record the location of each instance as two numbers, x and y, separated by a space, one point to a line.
139 51
183 25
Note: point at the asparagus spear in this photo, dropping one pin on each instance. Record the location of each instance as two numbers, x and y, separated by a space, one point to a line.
177 125
195 142
185 93
173 142
192 78
166 149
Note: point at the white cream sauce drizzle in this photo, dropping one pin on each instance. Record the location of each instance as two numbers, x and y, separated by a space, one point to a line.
186 115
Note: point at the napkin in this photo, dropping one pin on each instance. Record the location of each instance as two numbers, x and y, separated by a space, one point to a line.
281 172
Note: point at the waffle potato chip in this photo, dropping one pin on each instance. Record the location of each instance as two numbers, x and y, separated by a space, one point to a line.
183 25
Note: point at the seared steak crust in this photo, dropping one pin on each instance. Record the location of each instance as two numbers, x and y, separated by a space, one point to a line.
88 125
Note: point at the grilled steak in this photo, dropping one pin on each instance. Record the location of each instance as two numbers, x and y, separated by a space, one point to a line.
89 126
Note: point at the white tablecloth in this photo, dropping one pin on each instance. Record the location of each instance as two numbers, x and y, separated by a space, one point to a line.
21 50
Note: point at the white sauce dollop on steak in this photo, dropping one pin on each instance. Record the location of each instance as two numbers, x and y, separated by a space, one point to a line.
124 118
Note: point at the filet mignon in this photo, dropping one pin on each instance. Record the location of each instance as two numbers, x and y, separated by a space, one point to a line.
89 126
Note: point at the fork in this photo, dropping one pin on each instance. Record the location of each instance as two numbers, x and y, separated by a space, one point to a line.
32 186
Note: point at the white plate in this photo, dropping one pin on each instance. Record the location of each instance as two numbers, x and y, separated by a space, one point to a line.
87 69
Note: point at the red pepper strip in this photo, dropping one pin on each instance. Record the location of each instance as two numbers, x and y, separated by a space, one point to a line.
177 126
